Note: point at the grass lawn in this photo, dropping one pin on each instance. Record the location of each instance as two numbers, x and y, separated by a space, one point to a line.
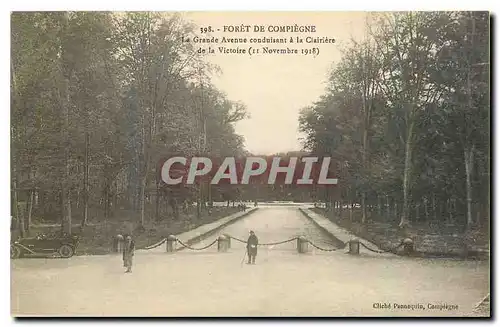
97 237
430 238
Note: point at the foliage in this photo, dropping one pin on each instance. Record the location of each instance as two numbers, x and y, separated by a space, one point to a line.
131 86
417 88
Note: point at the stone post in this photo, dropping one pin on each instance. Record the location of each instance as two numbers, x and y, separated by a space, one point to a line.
302 244
222 243
171 240
354 246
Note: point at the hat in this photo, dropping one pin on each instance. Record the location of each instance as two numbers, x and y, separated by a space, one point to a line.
251 232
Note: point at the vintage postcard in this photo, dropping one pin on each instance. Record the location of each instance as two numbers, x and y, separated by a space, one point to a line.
250 164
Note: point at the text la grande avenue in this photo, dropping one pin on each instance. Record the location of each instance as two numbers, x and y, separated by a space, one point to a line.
254 40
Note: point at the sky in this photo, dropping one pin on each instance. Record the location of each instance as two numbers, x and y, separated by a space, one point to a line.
274 87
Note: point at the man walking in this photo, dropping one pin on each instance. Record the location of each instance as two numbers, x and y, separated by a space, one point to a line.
252 243
128 253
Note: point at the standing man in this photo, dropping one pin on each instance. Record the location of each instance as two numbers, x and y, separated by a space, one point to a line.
252 243
128 253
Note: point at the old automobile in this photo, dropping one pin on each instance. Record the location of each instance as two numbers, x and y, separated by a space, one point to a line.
44 245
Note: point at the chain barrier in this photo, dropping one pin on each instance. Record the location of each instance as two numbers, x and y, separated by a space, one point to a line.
271 244
154 245
195 249
383 251
322 249
236 239
278 243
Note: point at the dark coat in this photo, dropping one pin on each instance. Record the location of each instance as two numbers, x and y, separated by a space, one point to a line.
252 243
128 250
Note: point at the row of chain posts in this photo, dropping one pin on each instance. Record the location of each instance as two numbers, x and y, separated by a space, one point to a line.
271 244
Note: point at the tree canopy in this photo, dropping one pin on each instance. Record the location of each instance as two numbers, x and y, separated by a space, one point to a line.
407 111
97 99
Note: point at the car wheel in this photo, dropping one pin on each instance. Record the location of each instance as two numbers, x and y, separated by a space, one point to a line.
15 252
66 251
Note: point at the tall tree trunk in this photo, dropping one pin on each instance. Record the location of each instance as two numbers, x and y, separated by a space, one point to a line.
468 149
478 214
66 103
66 209
210 201
143 201
17 213
105 201
468 158
450 216
405 219
417 212
434 207
426 209
157 205
368 85
327 203
199 200
116 197
67 197
379 208
167 199
66 192
86 183
205 196
388 207
442 208
30 212
14 158
363 207
144 176
22 218
176 208
453 207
